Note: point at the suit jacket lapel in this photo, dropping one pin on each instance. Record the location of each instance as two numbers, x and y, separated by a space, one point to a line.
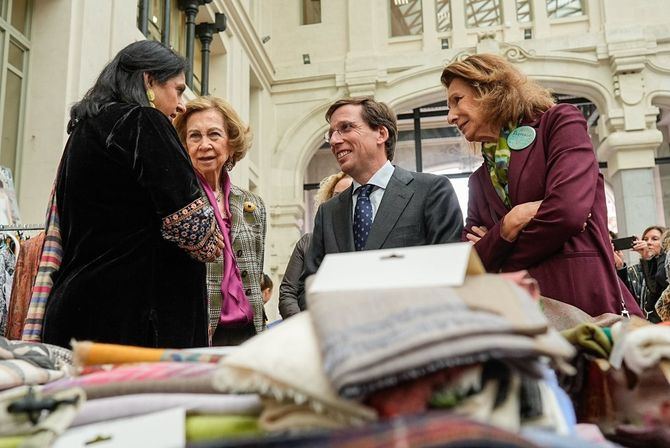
517 162
398 193
342 221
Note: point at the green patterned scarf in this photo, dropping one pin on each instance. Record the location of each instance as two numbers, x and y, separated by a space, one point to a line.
496 156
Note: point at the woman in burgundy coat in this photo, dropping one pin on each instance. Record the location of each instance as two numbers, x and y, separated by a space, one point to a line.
538 200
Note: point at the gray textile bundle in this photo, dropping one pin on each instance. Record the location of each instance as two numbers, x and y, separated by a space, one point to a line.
374 339
46 356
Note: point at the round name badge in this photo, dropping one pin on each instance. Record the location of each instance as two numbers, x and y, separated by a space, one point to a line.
521 138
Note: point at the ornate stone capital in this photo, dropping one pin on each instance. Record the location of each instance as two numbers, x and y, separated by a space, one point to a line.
630 150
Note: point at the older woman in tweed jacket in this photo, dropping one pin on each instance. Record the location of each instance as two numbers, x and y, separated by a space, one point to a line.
216 139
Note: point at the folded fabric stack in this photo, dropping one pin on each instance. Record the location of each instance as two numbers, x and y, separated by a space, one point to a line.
285 367
358 358
27 363
455 366
23 367
393 338
113 383
641 352
623 379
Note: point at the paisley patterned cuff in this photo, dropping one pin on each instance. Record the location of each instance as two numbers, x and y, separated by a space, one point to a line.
193 228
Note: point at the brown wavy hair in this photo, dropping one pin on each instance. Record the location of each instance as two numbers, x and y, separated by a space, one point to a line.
505 95
238 133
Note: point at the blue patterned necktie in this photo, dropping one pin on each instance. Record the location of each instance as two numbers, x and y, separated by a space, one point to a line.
362 216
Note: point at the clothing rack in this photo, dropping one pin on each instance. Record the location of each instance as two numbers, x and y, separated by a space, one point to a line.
20 227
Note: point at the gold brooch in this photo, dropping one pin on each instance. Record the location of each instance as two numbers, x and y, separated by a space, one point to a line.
249 206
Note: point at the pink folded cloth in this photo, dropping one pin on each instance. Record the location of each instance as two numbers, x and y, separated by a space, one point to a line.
159 377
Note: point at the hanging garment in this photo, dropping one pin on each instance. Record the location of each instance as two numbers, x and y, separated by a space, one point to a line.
7 263
27 263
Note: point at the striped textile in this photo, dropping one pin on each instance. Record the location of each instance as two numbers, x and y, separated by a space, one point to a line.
50 261
150 372
157 377
45 356
19 372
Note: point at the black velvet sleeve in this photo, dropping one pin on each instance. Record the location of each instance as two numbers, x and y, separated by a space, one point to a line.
163 169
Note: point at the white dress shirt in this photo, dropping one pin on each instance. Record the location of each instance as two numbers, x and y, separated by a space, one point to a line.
380 180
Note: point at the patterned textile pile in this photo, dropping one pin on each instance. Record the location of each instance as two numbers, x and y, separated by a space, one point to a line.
112 383
437 367
24 366
23 363
416 365
386 342
623 380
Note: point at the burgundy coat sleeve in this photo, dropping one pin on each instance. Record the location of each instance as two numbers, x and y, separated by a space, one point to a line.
570 188
492 248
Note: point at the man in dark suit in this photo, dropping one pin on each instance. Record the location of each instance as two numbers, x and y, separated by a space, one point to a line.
386 206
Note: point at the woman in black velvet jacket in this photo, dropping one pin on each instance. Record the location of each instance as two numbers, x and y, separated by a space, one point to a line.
135 227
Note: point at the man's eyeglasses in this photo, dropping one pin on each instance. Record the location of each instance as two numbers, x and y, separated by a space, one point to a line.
343 130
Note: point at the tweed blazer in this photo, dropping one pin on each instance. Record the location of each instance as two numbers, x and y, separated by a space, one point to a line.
248 241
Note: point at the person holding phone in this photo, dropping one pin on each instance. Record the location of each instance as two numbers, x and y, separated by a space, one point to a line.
619 263
647 279
662 306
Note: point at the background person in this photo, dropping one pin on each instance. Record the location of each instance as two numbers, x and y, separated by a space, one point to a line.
266 288
662 306
620 264
291 290
648 278
133 220
538 200
216 139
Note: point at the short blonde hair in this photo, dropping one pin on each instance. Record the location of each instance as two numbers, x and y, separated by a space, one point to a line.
505 94
238 133
326 187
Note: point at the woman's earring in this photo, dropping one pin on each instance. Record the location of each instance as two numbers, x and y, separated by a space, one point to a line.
228 166
151 96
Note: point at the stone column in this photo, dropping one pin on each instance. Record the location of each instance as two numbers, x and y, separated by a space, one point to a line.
630 129
630 169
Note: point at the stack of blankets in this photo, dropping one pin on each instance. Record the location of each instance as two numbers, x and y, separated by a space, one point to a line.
436 366
445 353
623 380
59 397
